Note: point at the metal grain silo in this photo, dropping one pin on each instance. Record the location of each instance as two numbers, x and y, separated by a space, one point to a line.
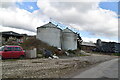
50 33
69 40
99 42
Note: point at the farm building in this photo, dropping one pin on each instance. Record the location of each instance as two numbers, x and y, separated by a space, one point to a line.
10 35
88 46
108 47
54 36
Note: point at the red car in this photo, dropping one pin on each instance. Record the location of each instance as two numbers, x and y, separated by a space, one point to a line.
11 52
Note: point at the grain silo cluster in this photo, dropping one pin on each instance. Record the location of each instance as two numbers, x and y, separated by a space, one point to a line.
54 36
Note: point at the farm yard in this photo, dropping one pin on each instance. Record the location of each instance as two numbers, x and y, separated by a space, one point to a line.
49 68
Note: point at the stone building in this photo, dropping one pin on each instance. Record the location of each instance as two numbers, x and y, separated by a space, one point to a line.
54 36
108 47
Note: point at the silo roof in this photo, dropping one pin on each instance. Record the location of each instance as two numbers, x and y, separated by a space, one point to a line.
68 30
11 33
49 25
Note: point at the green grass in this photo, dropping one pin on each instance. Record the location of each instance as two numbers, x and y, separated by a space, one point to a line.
116 54
82 55
11 59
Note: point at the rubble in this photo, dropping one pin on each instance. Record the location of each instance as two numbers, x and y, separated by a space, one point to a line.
48 68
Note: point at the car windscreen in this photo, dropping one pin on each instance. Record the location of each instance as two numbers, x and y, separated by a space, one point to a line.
2 48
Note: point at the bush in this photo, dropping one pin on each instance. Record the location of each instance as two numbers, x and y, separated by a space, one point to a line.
11 41
71 51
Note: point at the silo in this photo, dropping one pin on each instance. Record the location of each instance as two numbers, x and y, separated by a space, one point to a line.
69 40
99 42
50 33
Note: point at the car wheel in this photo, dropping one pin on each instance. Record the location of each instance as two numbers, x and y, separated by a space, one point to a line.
22 57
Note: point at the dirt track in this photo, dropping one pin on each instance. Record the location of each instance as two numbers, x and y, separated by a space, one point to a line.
48 68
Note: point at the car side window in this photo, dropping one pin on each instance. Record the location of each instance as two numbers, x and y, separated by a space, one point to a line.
18 49
1 48
9 48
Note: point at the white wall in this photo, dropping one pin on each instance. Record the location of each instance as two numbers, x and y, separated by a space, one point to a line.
31 53
52 36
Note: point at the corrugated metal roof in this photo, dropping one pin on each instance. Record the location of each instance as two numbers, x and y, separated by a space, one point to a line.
49 25
88 44
11 33
67 30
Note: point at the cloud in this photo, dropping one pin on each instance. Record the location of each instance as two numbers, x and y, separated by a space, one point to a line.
8 3
19 18
21 31
82 0
30 7
13 17
87 16
119 30
86 39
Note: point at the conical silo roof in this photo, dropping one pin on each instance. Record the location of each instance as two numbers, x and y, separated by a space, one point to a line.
49 25
68 30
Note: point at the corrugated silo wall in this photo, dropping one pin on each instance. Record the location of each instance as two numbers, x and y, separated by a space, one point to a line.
0 39
50 36
69 41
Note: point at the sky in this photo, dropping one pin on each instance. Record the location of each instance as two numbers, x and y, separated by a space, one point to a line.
95 19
